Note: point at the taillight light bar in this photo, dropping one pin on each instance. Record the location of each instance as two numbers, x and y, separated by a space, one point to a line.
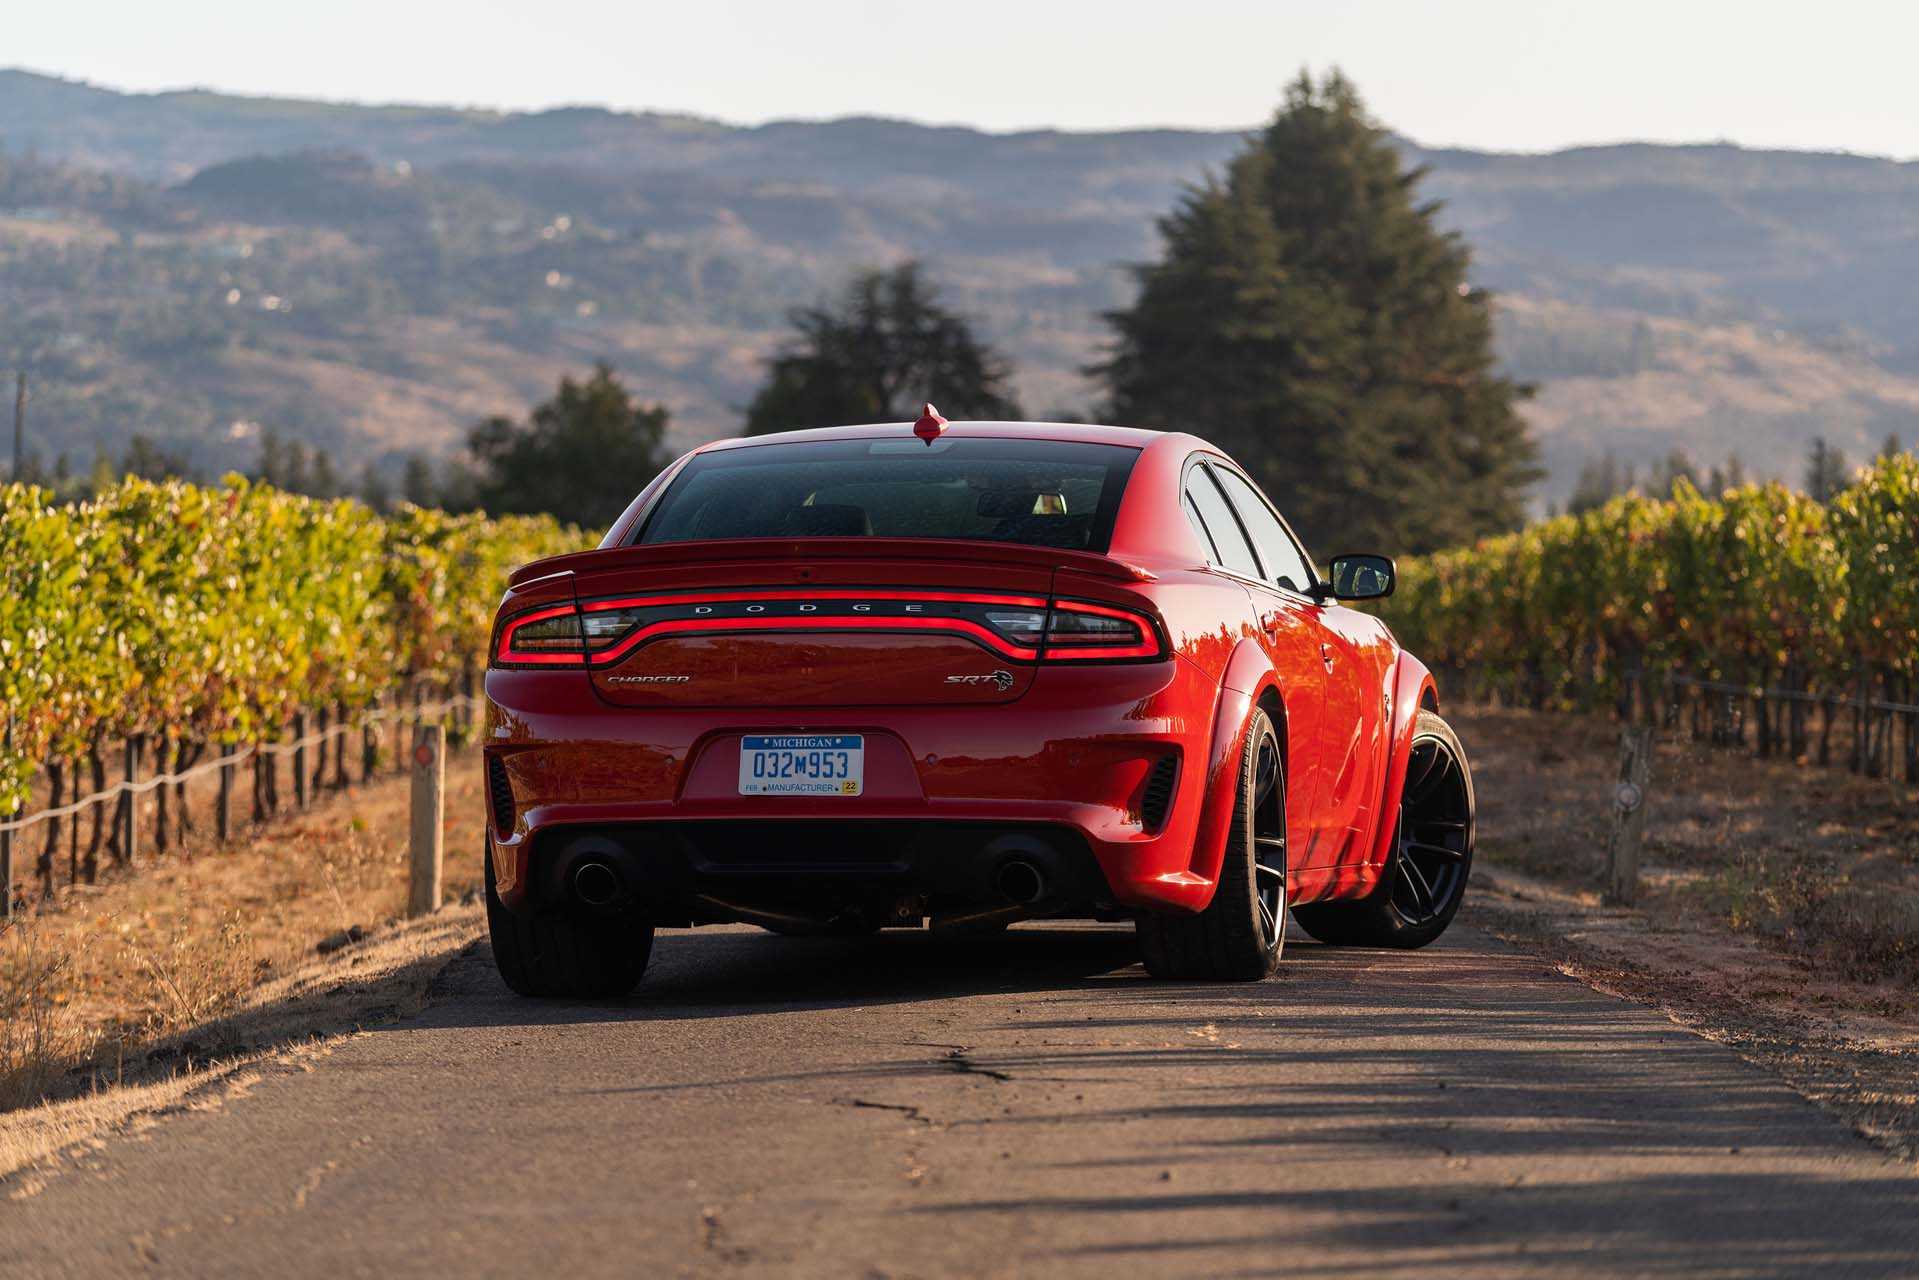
1018 628
1077 630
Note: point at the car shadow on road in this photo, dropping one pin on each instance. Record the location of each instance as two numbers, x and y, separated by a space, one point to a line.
1471 1103
737 972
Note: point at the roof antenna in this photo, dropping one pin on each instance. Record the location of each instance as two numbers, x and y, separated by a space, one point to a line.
930 425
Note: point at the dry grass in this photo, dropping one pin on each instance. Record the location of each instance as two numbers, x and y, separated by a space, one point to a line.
152 972
1817 863
283 1024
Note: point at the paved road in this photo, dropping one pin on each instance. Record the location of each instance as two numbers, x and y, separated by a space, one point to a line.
1033 1105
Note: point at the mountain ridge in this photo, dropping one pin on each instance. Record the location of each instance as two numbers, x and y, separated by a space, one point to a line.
463 258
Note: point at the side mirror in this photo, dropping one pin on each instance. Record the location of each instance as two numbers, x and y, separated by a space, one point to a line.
1360 577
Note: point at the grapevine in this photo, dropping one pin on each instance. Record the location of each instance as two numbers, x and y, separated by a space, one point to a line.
215 613
1757 584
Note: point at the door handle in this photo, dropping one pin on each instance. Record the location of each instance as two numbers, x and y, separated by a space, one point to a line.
1269 622
1326 655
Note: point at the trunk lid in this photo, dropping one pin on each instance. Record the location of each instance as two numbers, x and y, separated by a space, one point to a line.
882 622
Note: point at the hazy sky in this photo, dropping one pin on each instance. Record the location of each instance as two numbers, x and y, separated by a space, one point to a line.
1509 74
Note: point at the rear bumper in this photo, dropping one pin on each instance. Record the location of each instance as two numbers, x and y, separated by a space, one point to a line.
1074 756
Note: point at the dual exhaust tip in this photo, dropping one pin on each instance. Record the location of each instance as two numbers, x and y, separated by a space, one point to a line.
602 875
600 882
1021 881
596 872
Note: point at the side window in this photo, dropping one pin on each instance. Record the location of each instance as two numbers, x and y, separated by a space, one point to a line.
1215 518
1199 527
1284 564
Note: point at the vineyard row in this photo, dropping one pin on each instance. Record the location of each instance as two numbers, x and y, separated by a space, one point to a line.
206 617
1761 603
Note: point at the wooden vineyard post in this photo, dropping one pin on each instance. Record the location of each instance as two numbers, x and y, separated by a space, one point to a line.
223 814
429 818
340 731
1628 815
299 759
369 742
130 814
6 844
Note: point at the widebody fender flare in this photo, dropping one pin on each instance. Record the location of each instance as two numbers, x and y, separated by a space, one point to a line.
1249 677
1413 687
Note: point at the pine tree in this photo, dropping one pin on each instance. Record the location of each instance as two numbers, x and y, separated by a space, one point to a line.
1826 471
580 456
375 492
1599 482
322 480
884 350
1668 472
151 461
1310 317
417 484
1731 475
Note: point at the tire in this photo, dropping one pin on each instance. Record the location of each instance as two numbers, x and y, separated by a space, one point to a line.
1412 906
1240 935
555 952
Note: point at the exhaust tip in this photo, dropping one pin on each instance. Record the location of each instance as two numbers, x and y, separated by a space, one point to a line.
1021 881
597 884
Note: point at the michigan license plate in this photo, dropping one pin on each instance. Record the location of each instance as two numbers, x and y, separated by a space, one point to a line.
802 765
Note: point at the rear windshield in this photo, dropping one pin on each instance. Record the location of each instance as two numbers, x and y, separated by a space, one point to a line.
1046 493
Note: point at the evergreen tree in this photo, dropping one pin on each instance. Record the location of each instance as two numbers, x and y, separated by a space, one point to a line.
1599 482
883 351
1310 317
580 456
417 484
322 480
283 463
1826 471
374 489
1731 475
1669 471
150 461
1891 447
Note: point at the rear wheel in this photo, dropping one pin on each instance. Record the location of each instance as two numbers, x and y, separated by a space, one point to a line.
555 951
1240 935
1431 856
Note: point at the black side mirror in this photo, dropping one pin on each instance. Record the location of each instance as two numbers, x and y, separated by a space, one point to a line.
1360 577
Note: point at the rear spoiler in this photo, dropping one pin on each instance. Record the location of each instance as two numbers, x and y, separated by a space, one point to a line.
673 554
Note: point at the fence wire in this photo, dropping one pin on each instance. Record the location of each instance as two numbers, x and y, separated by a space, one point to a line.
426 711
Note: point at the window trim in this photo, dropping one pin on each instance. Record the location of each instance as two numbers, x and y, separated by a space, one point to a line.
1196 462
1212 461
1197 518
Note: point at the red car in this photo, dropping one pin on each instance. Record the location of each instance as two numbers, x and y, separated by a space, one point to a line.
961 675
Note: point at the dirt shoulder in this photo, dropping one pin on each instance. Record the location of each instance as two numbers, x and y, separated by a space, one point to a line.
185 975
1773 917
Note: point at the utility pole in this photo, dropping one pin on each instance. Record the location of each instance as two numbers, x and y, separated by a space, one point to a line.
19 420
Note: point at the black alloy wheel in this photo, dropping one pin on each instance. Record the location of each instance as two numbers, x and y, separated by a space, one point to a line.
1269 845
1241 933
1435 820
1424 880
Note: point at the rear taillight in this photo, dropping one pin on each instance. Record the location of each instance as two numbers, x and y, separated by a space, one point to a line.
1018 628
543 637
1079 629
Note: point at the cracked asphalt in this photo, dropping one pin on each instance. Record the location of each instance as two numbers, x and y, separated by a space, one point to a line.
912 1106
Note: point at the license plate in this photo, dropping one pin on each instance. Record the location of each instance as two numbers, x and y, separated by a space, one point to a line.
802 764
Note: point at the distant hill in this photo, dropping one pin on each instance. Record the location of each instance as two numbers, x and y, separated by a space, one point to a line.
197 266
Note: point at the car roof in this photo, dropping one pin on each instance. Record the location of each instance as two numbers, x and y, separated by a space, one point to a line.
1079 432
